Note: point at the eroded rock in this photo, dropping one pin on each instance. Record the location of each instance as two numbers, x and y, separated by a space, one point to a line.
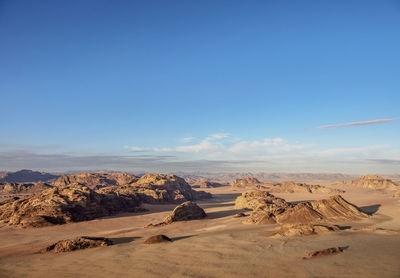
78 243
324 252
289 230
269 209
294 187
245 182
157 239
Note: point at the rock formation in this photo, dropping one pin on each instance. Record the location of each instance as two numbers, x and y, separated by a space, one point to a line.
27 176
371 182
288 230
324 252
252 199
58 205
206 184
294 187
269 209
96 180
245 182
184 212
157 239
397 194
23 188
78 243
76 202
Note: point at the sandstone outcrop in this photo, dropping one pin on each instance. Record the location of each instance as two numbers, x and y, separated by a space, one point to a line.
252 199
159 188
184 212
324 252
76 202
269 209
294 187
23 188
78 243
289 230
60 205
206 184
157 239
96 180
371 182
245 182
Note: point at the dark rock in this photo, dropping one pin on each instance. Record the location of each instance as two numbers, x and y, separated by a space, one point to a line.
157 239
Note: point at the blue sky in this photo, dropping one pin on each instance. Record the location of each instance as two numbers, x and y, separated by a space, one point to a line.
200 85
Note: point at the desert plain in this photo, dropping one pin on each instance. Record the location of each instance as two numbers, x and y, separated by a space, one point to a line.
219 245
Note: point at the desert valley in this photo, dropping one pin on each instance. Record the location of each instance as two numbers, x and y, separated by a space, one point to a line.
199 139
157 225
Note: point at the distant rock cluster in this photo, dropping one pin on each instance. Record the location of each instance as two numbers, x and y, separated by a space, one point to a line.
371 182
295 187
245 182
76 202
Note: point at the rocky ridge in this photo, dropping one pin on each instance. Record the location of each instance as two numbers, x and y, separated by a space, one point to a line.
76 202
371 182
269 209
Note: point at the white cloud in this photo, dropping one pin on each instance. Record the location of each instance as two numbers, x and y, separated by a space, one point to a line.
209 144
371 122
187 139
217 136
266 146
135 149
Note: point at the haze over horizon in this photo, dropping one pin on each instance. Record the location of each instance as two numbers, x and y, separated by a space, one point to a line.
230 86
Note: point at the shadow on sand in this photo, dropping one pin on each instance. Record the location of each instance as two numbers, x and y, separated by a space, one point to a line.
370 209
225 213
119 240
181 237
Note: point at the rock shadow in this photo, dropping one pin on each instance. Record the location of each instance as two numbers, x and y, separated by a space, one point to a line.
221 214
181 237
119 240
370 209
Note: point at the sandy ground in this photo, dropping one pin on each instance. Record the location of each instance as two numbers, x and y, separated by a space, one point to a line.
218 246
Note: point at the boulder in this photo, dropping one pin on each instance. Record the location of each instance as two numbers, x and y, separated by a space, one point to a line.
157 239
78 243
324 252
184 212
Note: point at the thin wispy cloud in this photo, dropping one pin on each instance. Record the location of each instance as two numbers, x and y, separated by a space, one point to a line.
371 122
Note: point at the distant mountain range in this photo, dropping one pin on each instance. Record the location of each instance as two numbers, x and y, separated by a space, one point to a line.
26 176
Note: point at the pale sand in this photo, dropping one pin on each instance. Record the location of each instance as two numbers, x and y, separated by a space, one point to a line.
218 246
